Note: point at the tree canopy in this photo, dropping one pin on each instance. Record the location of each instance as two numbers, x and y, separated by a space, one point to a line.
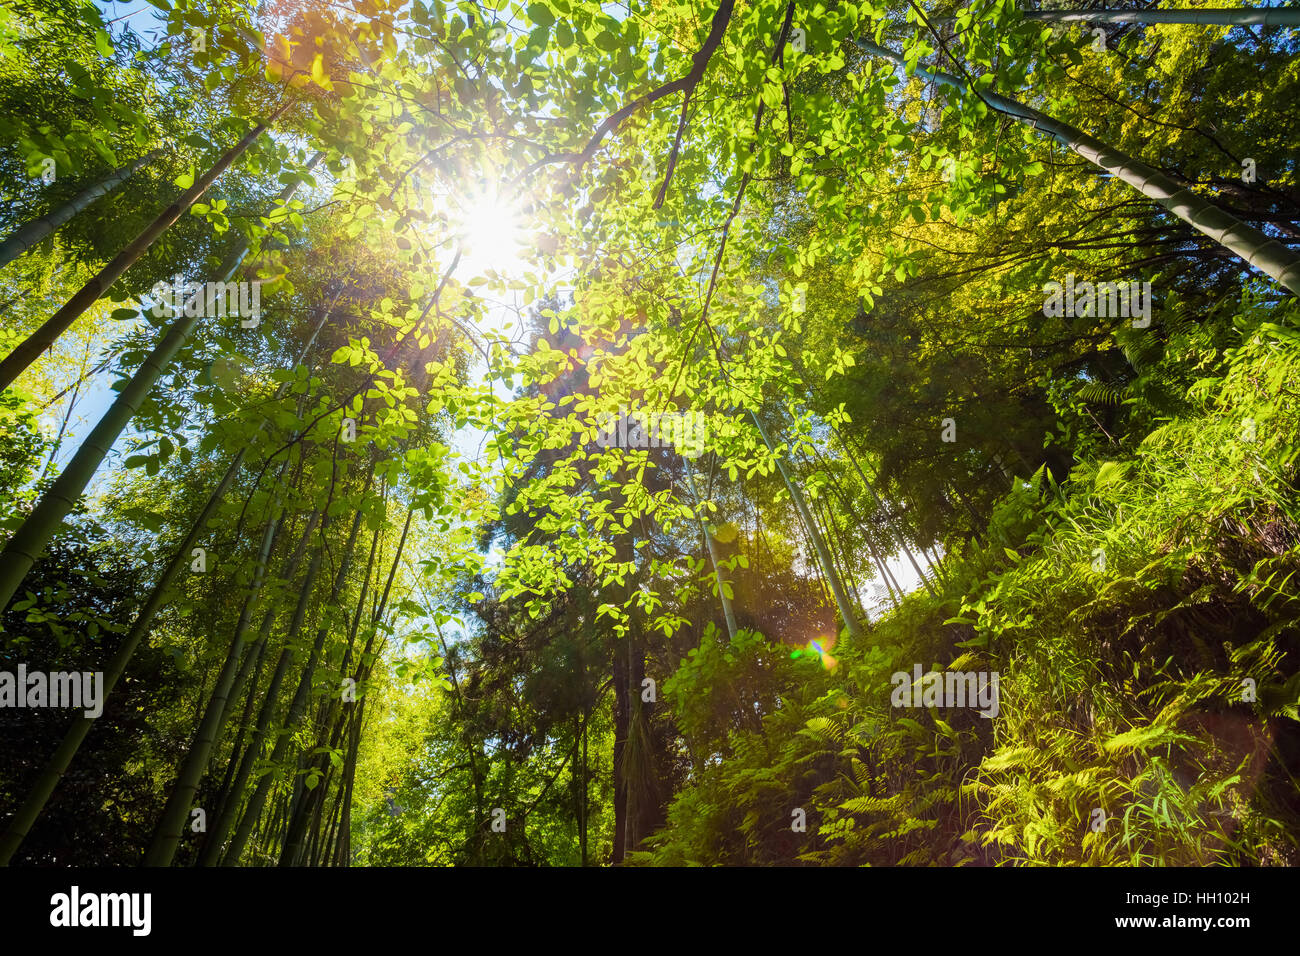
650 433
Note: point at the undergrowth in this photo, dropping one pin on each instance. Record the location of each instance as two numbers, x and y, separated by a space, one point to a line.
1144 620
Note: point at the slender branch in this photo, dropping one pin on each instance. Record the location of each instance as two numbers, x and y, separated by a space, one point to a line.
685 83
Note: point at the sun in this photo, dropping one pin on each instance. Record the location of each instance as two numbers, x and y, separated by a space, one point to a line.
490 232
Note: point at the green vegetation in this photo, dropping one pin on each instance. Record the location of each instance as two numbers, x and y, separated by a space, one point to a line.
626 408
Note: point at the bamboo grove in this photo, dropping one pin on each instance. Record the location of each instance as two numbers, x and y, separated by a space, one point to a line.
568 433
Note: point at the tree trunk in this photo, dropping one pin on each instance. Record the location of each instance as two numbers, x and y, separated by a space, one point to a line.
325 852
253 663
67 415
40 340
332 720
835 543
256 656
975 520
343 854
30 233
299 703
880 504
344 849
823 555
583 794
264 717
43 522
57 765
1258 250
171 823
728 612
623 714
932 558
622 721
1228 17
641 769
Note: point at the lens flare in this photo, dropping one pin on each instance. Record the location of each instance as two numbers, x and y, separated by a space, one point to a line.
821 648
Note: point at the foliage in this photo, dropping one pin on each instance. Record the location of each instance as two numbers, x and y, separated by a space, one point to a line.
637 394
